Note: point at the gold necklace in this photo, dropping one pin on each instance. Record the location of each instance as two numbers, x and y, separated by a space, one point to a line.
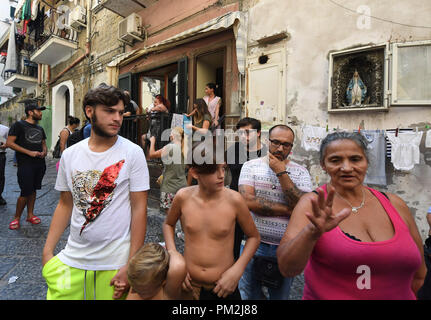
354 209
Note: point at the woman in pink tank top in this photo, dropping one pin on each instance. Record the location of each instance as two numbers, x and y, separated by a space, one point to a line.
351 241
213 103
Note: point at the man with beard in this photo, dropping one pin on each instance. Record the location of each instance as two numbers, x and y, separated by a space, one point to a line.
103 182
28 140
271 186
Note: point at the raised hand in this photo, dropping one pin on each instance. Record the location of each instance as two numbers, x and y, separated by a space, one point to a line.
323 218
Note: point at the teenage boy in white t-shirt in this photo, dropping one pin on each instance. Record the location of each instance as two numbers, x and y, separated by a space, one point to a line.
103 182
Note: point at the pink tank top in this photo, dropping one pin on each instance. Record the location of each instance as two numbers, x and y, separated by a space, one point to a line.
212 105
341 268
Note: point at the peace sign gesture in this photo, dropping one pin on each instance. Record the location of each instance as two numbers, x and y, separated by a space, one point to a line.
323 217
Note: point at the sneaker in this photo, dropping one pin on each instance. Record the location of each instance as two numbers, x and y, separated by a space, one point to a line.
2 201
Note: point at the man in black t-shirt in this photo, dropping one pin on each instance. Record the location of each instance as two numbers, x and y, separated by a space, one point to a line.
29 141
247 148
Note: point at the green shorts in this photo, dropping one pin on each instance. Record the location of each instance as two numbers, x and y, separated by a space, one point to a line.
68 283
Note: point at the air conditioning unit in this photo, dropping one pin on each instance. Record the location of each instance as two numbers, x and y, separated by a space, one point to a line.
130 29
77 17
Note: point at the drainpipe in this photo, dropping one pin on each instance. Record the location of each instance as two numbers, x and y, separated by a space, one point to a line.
87 48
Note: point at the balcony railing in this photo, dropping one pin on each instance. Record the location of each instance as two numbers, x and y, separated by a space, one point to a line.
26 75
55 42
134 126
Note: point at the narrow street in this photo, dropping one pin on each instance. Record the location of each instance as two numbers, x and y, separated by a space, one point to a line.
21 250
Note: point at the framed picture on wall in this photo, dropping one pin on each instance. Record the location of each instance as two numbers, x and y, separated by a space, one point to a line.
358 79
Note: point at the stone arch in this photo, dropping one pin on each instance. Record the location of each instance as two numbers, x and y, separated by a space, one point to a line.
59 107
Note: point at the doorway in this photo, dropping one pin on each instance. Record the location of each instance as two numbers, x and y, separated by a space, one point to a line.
210 68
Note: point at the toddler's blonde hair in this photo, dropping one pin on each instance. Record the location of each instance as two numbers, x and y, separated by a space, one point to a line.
148 269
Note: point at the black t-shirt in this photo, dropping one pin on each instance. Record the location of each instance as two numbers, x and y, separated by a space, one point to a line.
30 137
131 107
241 156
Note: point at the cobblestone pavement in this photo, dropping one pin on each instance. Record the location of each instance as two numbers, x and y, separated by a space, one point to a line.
21 250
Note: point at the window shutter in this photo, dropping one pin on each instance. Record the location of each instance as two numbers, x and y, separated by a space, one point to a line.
182 85
125 82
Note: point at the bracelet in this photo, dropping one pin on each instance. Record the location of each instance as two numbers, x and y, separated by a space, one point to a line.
281 173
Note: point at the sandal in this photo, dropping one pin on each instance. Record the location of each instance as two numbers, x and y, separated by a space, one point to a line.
34 220
14 224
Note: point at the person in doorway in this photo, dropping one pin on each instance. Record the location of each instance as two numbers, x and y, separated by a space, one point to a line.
161 106
272 186
132 107
130 126
156 274
3 138
348 236
248 147
28 139
103 183
208 212
214 104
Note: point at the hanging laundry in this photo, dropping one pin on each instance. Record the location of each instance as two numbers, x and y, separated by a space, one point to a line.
388 143
37 23
312 137
376 173
26 14
428 139
405 149
34 9
12 57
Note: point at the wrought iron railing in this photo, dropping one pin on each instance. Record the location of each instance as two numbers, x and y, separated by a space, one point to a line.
54 25
25 67
135 126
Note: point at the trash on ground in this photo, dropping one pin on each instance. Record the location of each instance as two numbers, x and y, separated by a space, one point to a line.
12 279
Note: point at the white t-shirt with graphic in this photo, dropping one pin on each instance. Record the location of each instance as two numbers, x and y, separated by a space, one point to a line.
259 175
100 183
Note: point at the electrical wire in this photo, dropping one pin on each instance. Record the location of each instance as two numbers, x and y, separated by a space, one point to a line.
377 18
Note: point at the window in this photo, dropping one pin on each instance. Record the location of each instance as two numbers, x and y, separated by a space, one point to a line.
411 73
358 79
373 78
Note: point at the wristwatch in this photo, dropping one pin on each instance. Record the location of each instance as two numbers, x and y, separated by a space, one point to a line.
281 173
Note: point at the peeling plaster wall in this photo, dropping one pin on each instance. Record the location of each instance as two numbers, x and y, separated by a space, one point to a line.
317 28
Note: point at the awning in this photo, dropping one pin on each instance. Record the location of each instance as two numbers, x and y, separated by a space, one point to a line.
236 19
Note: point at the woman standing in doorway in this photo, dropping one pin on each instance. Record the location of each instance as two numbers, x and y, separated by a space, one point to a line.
214 104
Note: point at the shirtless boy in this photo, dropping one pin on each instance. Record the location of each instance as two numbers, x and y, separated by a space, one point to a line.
208 212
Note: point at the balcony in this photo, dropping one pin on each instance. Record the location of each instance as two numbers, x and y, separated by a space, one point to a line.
55 44
54 51
25 77
126 7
